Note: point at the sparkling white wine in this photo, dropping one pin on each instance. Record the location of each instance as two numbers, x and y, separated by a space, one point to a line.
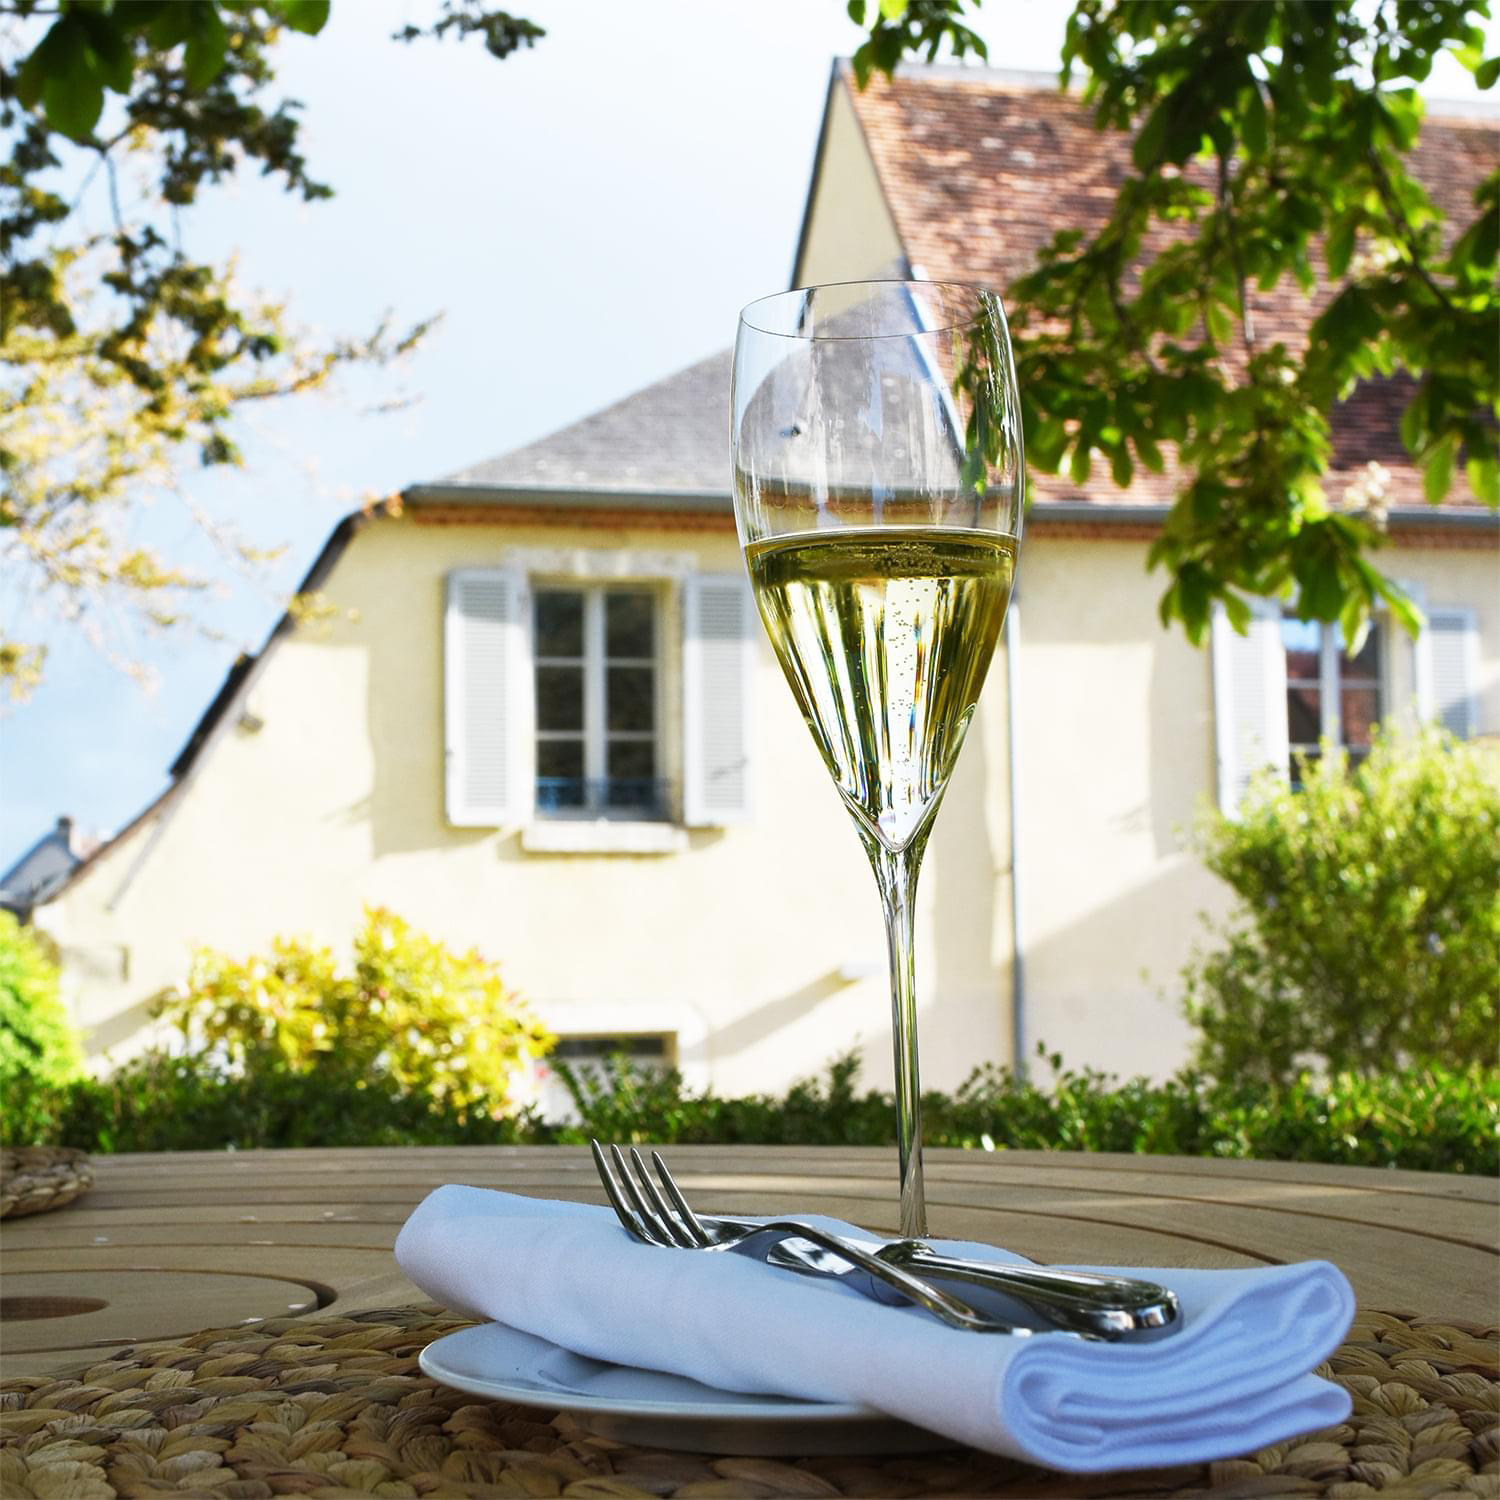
885 635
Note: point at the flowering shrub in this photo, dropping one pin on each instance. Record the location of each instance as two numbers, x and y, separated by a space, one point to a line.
430 1023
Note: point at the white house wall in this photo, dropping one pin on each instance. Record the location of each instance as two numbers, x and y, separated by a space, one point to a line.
759 946
849 232
748 946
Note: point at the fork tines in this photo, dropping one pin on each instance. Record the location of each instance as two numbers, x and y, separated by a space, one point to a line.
638 1202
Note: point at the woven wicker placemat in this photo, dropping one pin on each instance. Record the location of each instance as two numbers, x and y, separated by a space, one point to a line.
336 1407
34 1179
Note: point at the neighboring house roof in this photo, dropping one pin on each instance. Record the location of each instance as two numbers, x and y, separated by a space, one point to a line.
44 868
981 168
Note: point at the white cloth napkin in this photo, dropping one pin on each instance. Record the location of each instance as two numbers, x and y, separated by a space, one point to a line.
1235 1378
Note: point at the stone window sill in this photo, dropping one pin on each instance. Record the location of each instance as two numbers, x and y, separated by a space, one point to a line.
602 836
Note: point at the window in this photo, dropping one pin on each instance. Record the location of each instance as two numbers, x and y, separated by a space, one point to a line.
595 700
1330 694
1286 684
597 703
589 1059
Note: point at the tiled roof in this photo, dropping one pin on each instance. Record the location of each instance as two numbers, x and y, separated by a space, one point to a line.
672 437
980 169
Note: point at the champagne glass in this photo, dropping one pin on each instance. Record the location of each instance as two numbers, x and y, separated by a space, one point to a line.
878 479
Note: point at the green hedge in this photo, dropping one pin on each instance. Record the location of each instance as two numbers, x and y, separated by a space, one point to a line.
1429 1120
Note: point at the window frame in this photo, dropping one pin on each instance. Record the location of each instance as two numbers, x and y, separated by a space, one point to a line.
1331 683
595 733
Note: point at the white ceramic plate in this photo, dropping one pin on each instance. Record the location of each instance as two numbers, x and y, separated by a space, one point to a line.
655 1410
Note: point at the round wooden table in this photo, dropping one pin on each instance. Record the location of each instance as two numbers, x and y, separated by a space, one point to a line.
168 1244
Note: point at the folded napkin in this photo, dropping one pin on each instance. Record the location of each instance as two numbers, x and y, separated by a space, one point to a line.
1235 1378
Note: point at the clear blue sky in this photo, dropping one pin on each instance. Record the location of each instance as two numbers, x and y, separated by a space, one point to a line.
617 192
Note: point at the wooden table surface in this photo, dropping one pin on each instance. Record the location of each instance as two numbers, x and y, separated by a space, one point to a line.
165 1245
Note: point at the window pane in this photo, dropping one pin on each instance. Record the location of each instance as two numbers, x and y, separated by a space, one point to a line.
1359 712
1301 638
1304 722
559 697
559 624
632 760
597 1048
629 625
632 777
1367 663
632 698
559 779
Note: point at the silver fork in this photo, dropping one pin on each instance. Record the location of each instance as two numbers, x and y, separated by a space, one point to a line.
1082 1302
644 1214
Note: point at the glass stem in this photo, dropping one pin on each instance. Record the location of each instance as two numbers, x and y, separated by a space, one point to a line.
896 875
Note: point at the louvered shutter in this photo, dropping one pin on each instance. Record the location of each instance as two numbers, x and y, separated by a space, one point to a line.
487 699
719 626
1249 672
1447 668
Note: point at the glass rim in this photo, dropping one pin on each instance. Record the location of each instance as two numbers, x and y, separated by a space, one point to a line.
978 290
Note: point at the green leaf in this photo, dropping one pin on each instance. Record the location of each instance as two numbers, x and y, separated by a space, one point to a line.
1401 115
1221 323
1254 126
1478 245
1079 467
32 76
1120 468
1044 446
74 102
1414 421
1487 72
1153 133
114 61
1322 590
173 24
1354 621
1239 612
307 16
52 54
64 75
1194 597
1484 480
1147 451
856 9
893 10
207 45
1437 471
864 64
1339 249
1406 611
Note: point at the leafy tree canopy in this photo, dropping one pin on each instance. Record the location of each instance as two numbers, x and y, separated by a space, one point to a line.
1271 142
121 351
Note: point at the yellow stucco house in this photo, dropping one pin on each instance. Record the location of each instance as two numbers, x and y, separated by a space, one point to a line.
555 731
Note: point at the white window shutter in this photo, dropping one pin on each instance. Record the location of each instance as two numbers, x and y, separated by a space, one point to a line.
1250 728
1447 670
719 634
487 698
